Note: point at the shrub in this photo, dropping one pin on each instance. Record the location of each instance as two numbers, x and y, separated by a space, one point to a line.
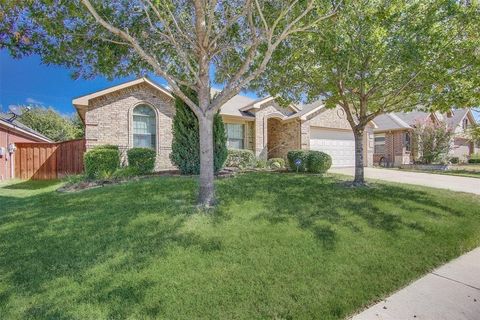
454 160
125 173
99 163
276 163
297 155
106 146
186 140
433 141
261 164
141 159
318 162
240 158
474 158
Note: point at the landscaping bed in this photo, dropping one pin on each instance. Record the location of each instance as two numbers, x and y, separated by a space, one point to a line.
278 246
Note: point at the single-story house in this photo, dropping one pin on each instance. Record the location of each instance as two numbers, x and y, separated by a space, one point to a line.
12 131
139 113
394 135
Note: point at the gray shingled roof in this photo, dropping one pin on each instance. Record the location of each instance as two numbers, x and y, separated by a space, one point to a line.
5 118
232 107
457 117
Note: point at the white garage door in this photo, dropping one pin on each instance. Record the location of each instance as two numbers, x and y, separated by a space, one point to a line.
339 144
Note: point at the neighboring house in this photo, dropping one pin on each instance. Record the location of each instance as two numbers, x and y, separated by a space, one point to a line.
139 113
12 132
394 135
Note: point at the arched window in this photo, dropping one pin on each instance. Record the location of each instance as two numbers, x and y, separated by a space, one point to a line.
144 127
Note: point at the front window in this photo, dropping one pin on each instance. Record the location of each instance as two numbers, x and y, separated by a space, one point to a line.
380 143
408 141
465 124
144 127
235 135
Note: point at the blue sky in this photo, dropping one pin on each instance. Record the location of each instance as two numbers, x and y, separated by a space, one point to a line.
27 81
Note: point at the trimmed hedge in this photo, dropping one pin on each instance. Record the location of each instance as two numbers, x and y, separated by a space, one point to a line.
310 161
318 162
240 158
106 146
100 163
276 163
297 155
142 160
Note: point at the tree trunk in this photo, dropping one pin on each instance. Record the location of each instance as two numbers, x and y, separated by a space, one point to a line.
359 170
206 196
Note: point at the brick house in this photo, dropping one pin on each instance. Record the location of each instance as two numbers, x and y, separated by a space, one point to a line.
393 135
11 132
140 113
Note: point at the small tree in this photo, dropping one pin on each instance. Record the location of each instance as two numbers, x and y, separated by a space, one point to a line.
52 124
186 144
432 141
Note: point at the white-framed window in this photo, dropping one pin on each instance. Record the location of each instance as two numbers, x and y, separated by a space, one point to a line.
379 143
465 124
235 135
144 127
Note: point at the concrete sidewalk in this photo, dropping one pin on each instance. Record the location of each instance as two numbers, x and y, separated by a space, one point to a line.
454 183
451 292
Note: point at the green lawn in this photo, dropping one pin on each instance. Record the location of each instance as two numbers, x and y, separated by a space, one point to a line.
279 246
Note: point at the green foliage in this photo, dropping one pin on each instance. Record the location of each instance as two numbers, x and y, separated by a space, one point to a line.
240 158
318 162
433 141
310 161
297 155
141 160
454 160
101 163
125 173
106 146
74 178
276 163
474 158
261 164
475 133
52 124
186 141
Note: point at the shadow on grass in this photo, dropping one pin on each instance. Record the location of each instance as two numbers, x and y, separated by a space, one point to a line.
323 204
30 185
66 236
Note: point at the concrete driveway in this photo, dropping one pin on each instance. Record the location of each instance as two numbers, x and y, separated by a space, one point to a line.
454 183
451 292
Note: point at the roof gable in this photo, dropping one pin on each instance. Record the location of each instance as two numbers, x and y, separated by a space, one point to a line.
83 101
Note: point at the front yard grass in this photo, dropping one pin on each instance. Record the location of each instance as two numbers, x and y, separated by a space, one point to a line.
278 246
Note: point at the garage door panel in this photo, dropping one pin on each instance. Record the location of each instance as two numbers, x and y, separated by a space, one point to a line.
340 145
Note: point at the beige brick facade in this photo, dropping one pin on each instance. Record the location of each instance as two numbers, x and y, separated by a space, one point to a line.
270 130
108 120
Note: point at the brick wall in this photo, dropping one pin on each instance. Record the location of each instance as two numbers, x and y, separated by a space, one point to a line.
282 137
108 120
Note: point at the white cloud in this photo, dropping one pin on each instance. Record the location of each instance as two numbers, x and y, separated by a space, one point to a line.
33 101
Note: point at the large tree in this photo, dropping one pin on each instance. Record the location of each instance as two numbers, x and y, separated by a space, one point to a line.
379 56
183 41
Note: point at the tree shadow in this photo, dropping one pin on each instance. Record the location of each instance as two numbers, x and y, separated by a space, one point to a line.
321 205
30 185
69 236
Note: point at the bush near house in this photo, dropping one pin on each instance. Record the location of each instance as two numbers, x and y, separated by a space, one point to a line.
106 146
101 162
300 156
474 158
240 158
318 162
309 161
433 141
141 160
186 139
454 160
276 163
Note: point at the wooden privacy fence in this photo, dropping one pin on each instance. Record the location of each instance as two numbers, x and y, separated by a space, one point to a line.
46 161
